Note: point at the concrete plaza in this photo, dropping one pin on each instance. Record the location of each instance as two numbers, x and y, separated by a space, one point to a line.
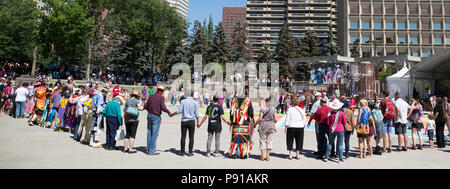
25 147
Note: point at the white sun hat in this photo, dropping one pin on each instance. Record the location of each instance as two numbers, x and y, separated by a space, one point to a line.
336 104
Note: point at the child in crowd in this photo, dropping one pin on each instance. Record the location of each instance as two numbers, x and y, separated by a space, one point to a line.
430 129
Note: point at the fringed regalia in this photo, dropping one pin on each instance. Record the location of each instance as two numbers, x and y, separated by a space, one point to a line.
241 125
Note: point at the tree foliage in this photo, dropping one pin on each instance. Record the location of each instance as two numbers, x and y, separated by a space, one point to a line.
241 48
286 48
19 30
309 45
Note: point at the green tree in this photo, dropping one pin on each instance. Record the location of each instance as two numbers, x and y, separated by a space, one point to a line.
330 48
265 55
355 49
220 49
390 70
151 27
286 48
198 42
64 30
19 30
309 45
241 49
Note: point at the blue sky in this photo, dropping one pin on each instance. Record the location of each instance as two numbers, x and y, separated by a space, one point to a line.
201 9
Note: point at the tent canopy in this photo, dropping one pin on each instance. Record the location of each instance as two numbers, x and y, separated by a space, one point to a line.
399 82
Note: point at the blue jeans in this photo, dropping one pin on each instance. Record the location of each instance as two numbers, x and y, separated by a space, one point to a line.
112 125
387 126
153 124
347 142
75 135
340 138
20 108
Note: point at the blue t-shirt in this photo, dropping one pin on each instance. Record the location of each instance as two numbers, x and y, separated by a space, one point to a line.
364 117
377 114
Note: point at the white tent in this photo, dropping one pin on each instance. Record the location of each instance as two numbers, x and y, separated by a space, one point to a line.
400 81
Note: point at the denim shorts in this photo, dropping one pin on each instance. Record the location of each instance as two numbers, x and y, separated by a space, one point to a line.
387 126
400 128
430 134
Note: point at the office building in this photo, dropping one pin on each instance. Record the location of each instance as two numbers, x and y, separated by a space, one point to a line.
230 17
266 17
181 6
394 27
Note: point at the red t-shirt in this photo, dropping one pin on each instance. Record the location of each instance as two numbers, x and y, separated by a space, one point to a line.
321 114
116 91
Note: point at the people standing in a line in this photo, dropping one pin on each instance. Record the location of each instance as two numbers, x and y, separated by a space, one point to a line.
87 118
387 108
266 129
316 105
21 99
362 128
98 104
447 108
294 128
441 119
372 132
336 121
79 110
132 108
430 129
189 110
321 118
350 126
154 106
415 116
214 113
401 119
113 115
379 127
242 125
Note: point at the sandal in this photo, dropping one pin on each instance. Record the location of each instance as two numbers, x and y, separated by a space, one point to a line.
297 157
290 158
126 151
132 152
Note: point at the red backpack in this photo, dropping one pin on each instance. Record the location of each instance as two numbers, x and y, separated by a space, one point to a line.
390 109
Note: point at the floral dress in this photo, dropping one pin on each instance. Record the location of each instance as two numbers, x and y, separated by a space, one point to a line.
70 119
61 112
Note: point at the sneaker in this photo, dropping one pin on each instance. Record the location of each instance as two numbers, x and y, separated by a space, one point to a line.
341 161
216 154
208 154
325 159
190 154
404 149
182 153
154 153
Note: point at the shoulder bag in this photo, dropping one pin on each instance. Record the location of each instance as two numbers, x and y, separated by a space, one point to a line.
132 110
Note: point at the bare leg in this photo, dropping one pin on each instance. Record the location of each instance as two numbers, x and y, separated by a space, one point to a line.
131 144
420 137
413 131
125 145
406 140
365 147
262 154
399 141
390 140
369 145
360 147
384 143
268 155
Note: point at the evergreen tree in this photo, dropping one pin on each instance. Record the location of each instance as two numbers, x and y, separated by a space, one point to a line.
309 45
220 50
198 42
286 48
265 55
355 49
330 48
241 49
210 29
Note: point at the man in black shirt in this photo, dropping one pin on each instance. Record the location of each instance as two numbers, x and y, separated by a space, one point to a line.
215 113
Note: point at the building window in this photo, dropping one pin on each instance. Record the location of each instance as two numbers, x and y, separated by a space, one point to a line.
412 26
401 26
413 41
437 41
425 26
414 53
447 41
377 25
365 25
426 54
389 25
366 40
447 26
353 39
401 40
366 54
353 25
437 26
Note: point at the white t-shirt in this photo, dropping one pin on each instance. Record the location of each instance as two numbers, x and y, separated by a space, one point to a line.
21 94
315 106
80 105
296 117
403 113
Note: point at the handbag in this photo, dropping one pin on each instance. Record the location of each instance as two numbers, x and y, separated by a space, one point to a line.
120 134
132 110
362 129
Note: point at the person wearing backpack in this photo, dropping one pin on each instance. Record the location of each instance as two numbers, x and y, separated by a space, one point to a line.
132 108
387 109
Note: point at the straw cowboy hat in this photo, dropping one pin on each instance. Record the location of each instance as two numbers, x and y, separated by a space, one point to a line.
336 104
317 94
119 99
161 88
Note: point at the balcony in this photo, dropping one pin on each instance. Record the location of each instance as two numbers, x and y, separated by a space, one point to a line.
299 15
277 2
298 2
256 3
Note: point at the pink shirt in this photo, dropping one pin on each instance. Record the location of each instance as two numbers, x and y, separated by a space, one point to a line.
340 124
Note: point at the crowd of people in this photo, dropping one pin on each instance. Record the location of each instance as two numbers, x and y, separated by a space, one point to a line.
88 110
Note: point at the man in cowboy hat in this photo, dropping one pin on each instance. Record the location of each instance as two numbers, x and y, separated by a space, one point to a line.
154 106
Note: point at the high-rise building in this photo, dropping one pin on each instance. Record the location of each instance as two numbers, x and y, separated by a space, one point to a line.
231 16
394 27
181 6
266 17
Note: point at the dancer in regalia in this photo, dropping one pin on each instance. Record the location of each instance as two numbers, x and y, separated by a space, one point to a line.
40 93
242 125
61 112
